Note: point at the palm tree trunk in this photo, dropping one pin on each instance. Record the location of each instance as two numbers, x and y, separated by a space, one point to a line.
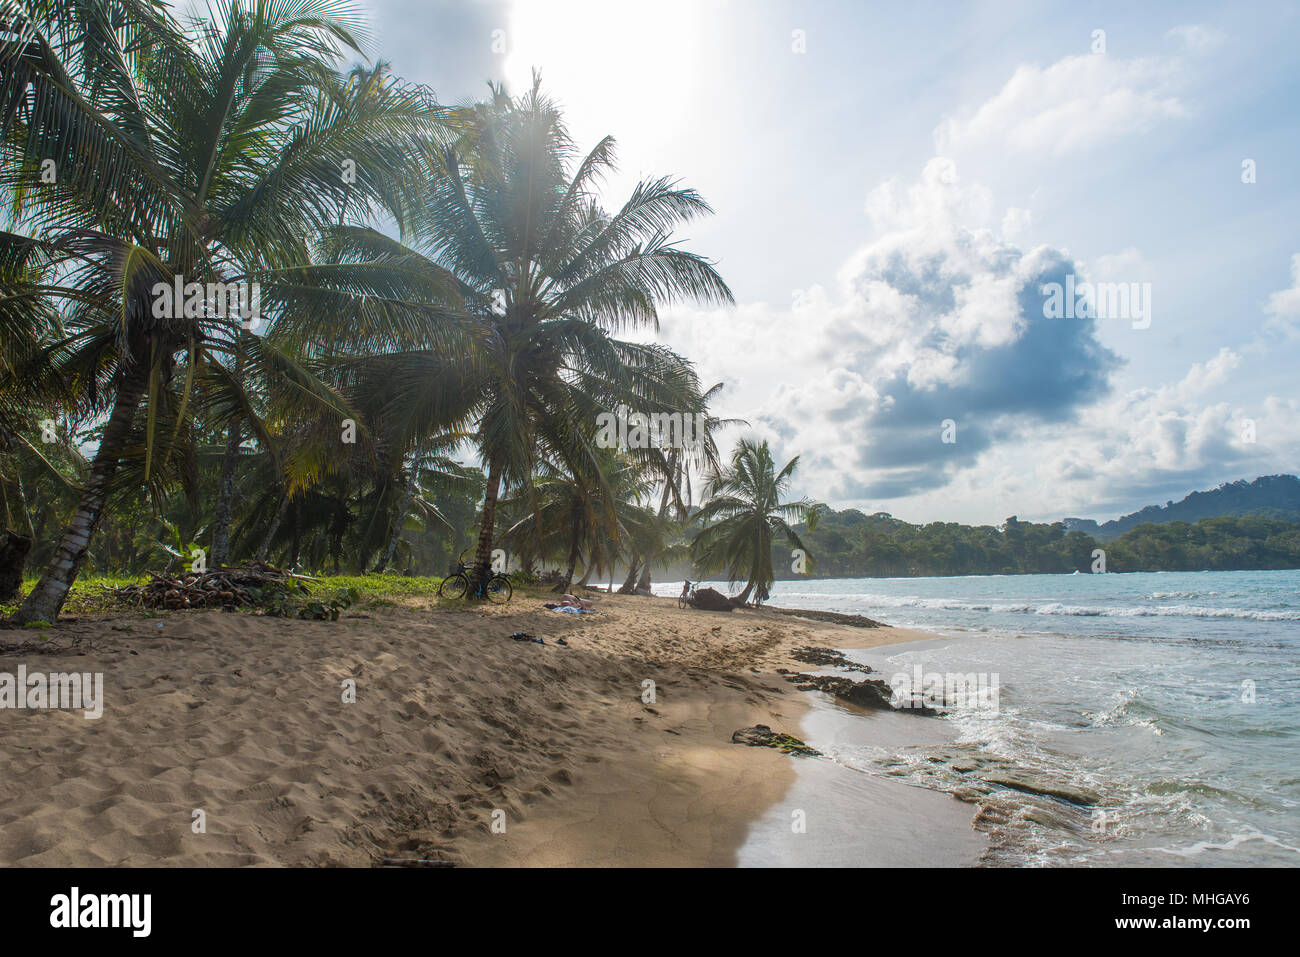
573 563
295 548
265 548
226 497
743 597
643 581
13 556
398 522
629 583
337 527
483 553
47 598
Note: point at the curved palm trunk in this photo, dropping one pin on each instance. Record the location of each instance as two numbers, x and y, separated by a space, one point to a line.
573 563
398 522
483 553
47 598
629 583
643 580
265 548
743 597
226 497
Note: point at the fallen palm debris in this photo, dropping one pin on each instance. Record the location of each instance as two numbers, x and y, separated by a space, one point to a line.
254 584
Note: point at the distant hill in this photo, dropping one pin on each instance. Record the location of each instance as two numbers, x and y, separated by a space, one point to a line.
1269 496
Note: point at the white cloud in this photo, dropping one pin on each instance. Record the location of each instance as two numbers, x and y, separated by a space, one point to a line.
1015 221
1077 103
1198 38
1282 310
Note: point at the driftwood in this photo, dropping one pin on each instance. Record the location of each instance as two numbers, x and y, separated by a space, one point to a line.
234 587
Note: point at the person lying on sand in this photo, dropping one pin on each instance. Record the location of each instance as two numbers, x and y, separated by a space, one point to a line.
572 603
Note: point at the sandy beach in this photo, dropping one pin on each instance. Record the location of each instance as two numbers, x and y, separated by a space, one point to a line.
462 745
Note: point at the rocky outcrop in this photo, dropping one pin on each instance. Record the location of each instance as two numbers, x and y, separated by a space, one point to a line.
761 736
835 617
869 693
710 599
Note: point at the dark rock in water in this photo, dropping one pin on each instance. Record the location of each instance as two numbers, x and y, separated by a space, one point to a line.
836 617
827 656
1026 784
710 599
761 736
865 694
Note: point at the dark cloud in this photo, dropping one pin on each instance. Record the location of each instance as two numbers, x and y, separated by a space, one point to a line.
1049 371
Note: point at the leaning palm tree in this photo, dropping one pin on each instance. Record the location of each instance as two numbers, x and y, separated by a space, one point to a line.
550 276
144 155
744 513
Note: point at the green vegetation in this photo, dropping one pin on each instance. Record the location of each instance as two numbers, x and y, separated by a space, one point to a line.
208 346
1269 496
745 513
259 304
851 544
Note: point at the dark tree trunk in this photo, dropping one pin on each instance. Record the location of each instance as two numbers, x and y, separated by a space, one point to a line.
265 549
13 557
295 547
483 553
398 522
573 563
643 581
629 584
47 598
226 497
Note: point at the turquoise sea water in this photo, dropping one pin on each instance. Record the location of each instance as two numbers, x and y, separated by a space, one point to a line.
1140 719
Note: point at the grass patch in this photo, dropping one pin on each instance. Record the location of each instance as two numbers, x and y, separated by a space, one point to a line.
90 593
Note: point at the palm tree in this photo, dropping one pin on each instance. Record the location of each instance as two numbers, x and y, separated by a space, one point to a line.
206 154
675 466
548 275
744 513
589 517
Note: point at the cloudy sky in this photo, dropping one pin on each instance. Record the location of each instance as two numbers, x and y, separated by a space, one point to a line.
895 185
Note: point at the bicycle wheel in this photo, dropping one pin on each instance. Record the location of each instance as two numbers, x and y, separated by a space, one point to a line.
683 603
499 589
453 587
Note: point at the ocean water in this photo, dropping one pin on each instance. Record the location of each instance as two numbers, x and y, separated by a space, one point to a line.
1138 719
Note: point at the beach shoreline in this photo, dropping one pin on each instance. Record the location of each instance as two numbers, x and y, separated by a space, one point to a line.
462 746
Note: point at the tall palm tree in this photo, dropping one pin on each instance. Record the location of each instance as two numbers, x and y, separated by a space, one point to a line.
744 514
206 153
549 276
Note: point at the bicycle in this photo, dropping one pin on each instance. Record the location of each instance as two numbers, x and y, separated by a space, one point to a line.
687 600
496 589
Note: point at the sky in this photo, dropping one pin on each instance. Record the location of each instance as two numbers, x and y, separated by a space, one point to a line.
897 187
